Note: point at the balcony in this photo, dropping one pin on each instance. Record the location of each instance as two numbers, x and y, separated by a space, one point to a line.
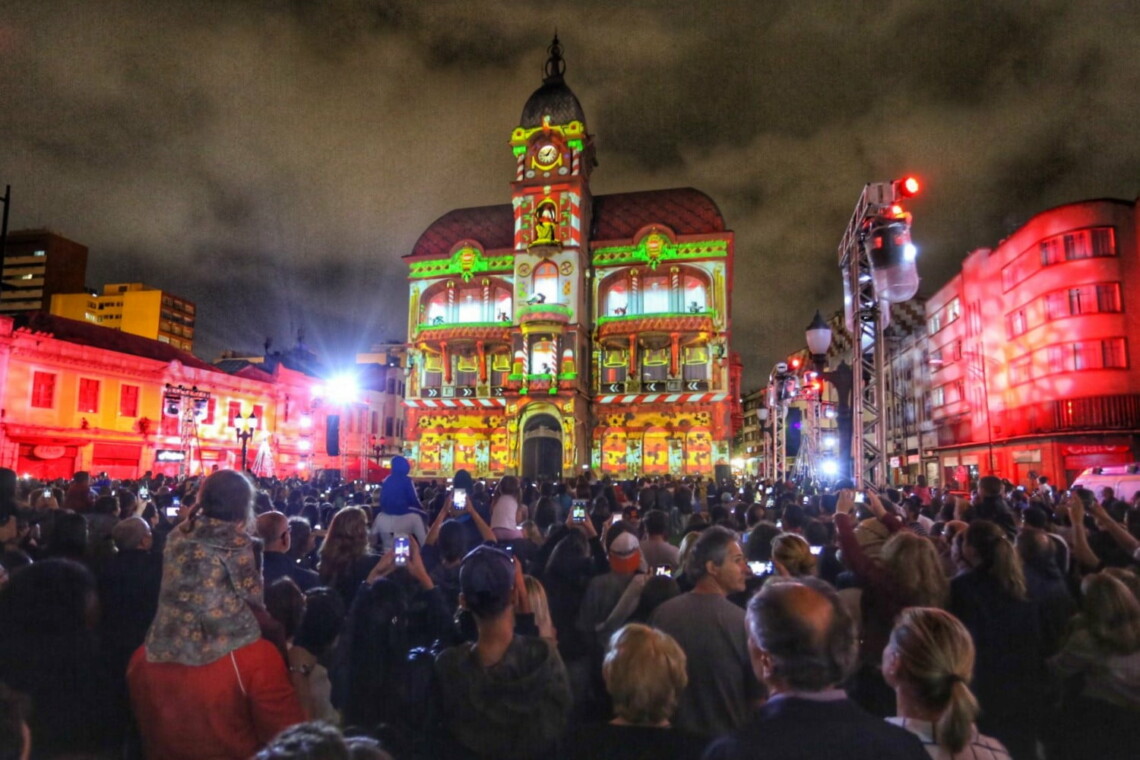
545 313
669 322
488 331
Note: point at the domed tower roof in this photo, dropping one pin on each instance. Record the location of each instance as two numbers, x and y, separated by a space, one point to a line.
553 98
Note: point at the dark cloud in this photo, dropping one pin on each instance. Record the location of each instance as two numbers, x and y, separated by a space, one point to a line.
273 159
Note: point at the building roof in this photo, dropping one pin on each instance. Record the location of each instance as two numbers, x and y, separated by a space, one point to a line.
684 210
553 98
88 334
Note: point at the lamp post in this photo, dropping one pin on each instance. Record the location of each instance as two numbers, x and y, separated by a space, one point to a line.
818 335
245 427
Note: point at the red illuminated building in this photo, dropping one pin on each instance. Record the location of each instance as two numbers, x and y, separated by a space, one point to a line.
1032 350
77 396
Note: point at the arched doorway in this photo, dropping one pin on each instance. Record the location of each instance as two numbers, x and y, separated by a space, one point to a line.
542 447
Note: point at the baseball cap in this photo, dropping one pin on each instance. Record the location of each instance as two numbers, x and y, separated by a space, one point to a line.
625 553
486 578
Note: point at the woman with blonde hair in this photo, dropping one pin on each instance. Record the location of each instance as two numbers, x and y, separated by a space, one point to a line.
792 556
929 662
345 559
644 672
1102 657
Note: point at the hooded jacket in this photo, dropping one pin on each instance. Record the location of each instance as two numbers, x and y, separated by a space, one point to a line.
515 709
398 494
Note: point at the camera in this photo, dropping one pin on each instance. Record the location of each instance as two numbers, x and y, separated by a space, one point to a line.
402 546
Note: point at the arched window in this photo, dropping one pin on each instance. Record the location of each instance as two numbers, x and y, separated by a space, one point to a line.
470 305
617 298
655 294
542 358
436 311
546 281
696 294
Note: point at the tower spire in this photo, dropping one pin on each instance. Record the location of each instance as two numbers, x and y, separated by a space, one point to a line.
555 65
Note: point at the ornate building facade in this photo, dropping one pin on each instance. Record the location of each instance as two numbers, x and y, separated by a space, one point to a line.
565 330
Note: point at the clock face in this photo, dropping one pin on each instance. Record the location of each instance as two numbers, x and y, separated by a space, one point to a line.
546 156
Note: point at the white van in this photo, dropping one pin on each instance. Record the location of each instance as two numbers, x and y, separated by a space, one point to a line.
1123 479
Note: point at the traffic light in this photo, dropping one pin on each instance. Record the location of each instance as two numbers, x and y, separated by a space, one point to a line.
794 422
907 187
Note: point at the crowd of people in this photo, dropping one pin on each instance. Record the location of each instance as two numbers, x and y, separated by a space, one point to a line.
673 617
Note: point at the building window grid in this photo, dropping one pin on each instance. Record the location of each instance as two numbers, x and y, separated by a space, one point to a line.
43 390
1090 242
88 402
1077 356
129 401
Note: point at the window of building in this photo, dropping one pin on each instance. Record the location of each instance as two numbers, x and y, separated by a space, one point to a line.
233 409
546 281
470 306
88 395
43 390
259 413
1021 370
433 370
466 369
129 400
655 364
389 428
542 358
500 369
617 299
953 310
1015 324
938 396
655 295
696 294
695 363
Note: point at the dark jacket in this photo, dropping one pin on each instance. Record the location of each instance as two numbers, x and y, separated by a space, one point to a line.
276 565
803 729
515 709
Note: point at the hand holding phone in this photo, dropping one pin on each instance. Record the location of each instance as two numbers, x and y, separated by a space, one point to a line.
459 499
860 497
578 510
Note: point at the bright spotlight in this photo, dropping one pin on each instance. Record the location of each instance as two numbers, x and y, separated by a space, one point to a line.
910 253
829 467
341 389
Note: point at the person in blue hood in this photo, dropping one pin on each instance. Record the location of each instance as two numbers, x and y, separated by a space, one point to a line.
400 509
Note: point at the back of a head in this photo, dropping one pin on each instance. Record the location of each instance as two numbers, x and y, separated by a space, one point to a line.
486 579
806 631
914 562
321 622
792 551
1111 613
52 597
996 556
227 495
656 522
315 740
130 534
452 541
1035 548
932 652
270 526
989 486
645 673
758 548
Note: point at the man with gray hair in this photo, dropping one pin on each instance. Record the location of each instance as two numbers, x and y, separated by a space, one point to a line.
802 644
710 629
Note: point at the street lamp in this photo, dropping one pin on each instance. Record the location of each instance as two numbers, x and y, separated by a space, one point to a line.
245 427
818 335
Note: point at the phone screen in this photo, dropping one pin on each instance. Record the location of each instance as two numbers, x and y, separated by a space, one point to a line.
816 550
176 501
661 570
403 548
860 497
144 493
459 498
760 568
172 511
47 493
578 510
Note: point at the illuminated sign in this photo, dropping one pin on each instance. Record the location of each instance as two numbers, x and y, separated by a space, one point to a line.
169 455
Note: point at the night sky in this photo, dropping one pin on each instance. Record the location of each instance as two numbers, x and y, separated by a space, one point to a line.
273 160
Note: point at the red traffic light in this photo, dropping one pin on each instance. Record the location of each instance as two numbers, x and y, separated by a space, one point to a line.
907 187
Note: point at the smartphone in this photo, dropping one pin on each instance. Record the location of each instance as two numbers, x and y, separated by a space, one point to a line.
403 548
459 498
807 500
860 497
172 511
578 510
760 568
144 493
661 570
47 493
816 550
1021 488
176 501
